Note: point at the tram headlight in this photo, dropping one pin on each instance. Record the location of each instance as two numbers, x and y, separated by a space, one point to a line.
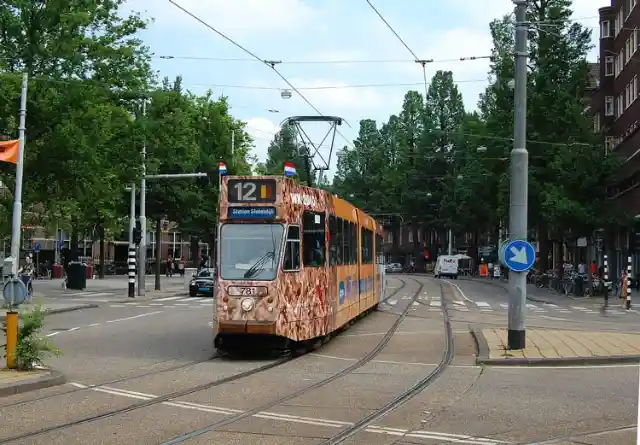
247 304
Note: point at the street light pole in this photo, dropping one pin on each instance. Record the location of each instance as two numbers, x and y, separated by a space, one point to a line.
519 182
17 203
142 248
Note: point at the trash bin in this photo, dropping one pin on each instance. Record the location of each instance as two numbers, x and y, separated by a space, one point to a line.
76 277
56 271
88 271
578 287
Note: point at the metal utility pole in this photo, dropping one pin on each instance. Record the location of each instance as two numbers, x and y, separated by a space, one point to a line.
17 203
519 182
450 242
132 212
142 248
233 143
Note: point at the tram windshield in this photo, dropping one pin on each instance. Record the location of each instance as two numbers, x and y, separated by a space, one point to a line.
250 251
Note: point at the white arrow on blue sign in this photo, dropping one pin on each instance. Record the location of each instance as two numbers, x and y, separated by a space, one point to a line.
519 255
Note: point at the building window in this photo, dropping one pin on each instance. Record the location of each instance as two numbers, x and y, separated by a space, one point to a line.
630 5
608 106
619 63
596 122
605 29
313 239
619 105
292 250
619 22
608 144
609 62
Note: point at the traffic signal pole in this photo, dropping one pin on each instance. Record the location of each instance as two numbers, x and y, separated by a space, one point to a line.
131 262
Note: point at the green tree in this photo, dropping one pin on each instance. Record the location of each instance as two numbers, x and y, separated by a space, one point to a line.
285 148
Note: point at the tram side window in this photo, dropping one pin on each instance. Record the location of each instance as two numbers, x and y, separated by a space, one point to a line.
344 230
292 250
353 234
366 238
335 240
313 239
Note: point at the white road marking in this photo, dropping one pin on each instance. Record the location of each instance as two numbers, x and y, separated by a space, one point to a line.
168 298
435 303
415 304
392 302
482 304
117 320
117 305
553 318
457 438
459 303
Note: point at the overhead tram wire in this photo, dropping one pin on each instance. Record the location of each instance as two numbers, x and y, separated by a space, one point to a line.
270 64
415 56
319 62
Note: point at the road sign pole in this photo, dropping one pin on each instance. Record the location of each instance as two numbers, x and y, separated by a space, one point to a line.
519 182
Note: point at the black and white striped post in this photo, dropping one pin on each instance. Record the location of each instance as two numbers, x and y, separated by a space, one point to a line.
132 270
629 275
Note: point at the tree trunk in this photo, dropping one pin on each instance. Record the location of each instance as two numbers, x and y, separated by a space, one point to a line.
158 252
102 265
543 245
73 244
195 250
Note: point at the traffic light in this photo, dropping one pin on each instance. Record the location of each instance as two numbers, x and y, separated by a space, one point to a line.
9 151
137 233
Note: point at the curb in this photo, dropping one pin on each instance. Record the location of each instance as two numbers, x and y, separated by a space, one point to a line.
54 378
61 310
482 357
534 299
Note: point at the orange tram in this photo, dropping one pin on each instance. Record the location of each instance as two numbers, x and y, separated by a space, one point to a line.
295 265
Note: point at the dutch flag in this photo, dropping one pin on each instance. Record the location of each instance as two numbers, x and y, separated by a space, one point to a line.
289 169
222 169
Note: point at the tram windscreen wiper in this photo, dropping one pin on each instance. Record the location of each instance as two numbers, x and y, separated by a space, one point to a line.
258 266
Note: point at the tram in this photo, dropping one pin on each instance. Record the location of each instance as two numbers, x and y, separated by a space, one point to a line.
295 265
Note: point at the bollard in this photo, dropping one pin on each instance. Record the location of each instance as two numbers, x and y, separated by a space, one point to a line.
12 338
629 275
132 270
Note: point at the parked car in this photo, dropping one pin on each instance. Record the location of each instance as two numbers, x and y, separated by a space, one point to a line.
393 268
203 283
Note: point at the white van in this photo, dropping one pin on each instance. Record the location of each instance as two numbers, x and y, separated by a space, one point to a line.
446 266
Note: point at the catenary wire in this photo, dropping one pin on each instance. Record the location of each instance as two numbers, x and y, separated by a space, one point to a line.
321 62
271 65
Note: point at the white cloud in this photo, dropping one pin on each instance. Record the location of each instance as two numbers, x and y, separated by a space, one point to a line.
262 130
337 97
235 17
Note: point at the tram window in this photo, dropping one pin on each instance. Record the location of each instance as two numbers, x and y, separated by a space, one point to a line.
292 250
366 239
313 239
353 234
344 230
335 240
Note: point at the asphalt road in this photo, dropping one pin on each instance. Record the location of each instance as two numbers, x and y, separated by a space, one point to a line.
466 405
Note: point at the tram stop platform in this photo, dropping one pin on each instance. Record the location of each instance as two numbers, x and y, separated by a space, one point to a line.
556 347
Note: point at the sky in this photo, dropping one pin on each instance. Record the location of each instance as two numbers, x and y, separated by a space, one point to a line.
321 31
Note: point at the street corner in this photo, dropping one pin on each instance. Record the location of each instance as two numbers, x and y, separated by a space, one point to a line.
17 382
50 308
556 347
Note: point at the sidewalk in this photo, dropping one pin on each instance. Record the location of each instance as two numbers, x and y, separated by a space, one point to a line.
16 382
49 308
557 347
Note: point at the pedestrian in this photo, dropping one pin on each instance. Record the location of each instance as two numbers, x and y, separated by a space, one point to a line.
170 265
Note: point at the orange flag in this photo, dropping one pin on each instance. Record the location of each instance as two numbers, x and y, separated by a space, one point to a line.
9 151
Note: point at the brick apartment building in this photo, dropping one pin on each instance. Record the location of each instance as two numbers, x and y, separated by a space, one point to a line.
616 113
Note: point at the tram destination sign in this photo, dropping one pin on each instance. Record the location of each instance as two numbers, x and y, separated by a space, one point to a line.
251 191
251 213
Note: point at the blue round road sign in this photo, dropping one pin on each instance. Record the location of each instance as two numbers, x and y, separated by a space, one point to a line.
19 290
519 255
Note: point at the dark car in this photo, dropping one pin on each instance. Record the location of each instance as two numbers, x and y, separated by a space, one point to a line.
202 284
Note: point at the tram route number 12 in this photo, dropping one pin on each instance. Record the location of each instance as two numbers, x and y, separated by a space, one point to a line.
258 190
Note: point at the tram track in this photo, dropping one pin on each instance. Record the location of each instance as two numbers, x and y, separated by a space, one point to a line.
346 371
407 395
218 382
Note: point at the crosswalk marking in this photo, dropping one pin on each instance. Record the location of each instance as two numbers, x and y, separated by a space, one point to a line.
482 304
168 298
435 303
